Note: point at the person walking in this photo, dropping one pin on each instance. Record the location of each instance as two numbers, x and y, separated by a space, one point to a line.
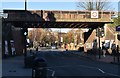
103 49
95 49
66 47
95 44
36 48
117 50
113 48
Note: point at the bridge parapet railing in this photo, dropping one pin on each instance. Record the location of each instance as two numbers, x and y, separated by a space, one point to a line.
62 16
79 16
21 15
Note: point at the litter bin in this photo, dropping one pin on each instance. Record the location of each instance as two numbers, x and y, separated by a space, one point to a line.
39 69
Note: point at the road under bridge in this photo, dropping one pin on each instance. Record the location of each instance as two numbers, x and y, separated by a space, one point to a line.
57 19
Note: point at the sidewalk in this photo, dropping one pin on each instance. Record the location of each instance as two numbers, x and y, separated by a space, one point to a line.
107 59
14 66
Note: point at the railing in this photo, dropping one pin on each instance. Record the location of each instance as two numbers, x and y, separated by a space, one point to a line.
80 16
23 16
62 16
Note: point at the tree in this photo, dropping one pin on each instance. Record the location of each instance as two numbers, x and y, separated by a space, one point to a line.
65 39
42 35
94 5
35 34
70 37
116 21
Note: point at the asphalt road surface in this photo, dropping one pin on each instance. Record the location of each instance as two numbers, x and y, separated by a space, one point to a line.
66 64
61 64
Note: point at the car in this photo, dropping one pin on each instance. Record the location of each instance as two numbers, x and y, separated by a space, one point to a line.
53 47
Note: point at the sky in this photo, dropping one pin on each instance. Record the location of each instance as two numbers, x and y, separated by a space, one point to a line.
46 6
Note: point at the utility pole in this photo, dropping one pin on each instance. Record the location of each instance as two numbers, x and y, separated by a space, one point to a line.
25 5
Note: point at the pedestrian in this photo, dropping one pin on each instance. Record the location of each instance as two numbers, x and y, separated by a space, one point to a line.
103 49
117 50
36 48
66 47
95 44
113 48
30 51
94 49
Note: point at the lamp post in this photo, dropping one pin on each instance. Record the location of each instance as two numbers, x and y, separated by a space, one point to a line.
25 41
25 53
25 5
25 34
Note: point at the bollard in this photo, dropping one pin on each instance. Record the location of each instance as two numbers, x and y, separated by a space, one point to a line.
39 69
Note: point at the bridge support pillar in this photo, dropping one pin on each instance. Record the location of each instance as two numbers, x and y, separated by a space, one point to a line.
88 39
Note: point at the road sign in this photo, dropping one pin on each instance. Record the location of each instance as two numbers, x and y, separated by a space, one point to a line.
94 14
118 28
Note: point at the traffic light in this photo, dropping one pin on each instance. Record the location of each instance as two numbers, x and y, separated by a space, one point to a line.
97 32
118 37
102 34
25 31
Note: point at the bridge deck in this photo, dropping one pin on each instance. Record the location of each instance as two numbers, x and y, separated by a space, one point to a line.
57 19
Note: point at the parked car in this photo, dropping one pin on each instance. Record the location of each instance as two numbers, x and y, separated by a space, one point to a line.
53 47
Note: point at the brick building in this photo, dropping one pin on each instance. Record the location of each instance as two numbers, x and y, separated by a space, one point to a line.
110 36
12 40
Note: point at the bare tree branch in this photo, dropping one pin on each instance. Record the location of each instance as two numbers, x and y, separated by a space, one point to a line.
95 5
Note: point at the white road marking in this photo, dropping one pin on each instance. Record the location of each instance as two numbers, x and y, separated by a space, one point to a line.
113 74
53 72
101 70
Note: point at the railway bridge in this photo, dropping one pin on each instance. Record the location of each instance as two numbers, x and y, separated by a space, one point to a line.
58 19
